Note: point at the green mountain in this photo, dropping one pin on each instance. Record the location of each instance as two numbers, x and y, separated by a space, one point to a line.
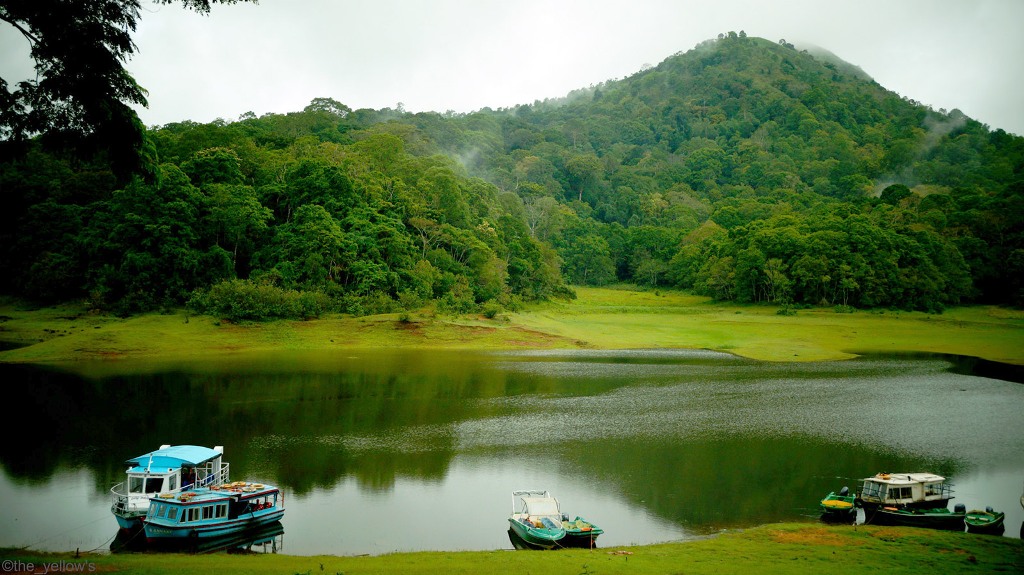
743 168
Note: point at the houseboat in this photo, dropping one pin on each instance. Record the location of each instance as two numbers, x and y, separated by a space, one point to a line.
168 470
901 490
212 512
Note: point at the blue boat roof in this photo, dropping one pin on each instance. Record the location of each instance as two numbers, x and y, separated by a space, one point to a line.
172 457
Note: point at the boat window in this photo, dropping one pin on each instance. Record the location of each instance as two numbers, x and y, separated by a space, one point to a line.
154 484
901 492
172 513
135 484
932 489
193 514
872 490
222 510
172 483
161 510
208 512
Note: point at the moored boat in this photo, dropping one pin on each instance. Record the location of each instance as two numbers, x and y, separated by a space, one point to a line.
838 506
170 469
934 518
580 533
536 519
987 521
210 512
900 490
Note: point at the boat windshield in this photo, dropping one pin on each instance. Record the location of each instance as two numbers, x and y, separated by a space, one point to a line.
872 489
541 505
144 484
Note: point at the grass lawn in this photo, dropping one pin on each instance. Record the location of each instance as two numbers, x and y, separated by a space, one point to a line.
600 318
795 549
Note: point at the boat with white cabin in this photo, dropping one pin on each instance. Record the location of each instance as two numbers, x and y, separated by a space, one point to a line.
904 490
168 470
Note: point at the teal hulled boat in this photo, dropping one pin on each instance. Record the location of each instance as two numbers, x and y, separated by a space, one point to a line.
838 506
536 519
935 518
217 511
580 533
987 521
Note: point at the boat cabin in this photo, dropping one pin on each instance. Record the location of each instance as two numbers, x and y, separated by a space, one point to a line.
169 469
212 512
905 490
209 507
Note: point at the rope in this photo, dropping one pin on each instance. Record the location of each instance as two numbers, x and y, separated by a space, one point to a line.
103 518
126 543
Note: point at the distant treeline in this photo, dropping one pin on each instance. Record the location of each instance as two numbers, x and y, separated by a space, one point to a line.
742 169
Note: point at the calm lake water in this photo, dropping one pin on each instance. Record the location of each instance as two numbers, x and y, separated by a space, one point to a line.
400 451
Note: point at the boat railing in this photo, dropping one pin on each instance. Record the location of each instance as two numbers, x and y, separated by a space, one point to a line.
217 478
944 491
121 494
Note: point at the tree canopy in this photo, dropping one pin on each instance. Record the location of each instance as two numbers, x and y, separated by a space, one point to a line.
743 169
82 95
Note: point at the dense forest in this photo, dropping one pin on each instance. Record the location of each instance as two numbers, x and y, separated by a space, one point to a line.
743 169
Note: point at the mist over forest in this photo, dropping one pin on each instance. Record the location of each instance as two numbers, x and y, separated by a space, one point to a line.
744 169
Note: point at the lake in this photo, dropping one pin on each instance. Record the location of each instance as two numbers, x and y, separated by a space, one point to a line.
420 450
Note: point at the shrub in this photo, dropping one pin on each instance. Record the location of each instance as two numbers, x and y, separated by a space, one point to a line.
242 300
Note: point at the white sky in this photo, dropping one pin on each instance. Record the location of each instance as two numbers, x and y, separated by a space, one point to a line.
463 55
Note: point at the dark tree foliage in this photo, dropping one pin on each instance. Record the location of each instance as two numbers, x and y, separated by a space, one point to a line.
81 96
744 169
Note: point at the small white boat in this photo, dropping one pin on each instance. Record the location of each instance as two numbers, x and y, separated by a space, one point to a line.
169 470
900 490
536 519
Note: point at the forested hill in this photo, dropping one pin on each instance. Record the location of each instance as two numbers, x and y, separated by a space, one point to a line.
744 169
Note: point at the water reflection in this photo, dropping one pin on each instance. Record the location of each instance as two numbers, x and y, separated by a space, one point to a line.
371 449
267 539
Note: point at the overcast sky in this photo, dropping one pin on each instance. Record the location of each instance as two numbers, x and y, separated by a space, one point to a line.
463 55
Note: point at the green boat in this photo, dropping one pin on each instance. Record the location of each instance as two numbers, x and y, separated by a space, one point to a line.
838 506
580 533
936 518
987 521
536 519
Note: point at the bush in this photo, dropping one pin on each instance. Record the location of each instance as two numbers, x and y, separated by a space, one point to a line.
242 300
491 310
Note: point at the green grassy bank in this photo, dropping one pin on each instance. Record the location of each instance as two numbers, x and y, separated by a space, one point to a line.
784 549
601 318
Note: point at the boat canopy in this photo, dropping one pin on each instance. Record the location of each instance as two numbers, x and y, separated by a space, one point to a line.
172 457
905 478
541 505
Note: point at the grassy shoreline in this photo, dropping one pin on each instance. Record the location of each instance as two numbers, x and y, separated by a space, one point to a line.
779 548
601 318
